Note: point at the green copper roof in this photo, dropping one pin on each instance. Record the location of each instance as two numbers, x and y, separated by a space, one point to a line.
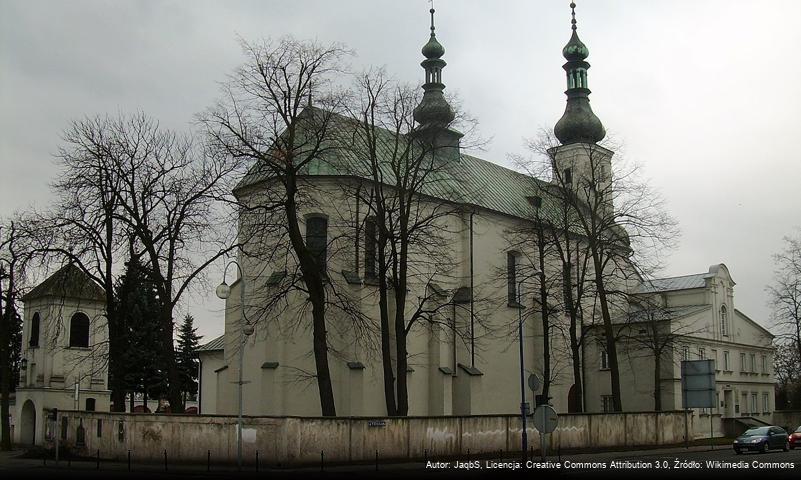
578 124
433 49
575 49
469 181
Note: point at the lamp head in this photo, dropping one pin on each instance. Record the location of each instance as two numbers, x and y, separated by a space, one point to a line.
223 290
247 329
23 364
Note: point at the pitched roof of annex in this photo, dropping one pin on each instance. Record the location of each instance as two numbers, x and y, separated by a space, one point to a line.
68 282
213 345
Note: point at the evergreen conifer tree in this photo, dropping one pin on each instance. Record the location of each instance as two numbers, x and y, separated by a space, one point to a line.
187 361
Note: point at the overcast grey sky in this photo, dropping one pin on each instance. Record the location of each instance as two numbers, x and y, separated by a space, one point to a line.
704 94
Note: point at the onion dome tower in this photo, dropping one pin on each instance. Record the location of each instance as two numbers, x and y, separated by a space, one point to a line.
578 124
434 114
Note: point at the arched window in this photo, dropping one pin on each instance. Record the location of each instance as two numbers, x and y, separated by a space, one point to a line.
724 321
34 336
317 238
79 330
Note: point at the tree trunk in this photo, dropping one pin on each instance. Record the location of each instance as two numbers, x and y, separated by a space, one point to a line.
170 365
577 380
545 315
657 382
611 347
575 347
401 362
386 348
116 334
327 404
400 325
313 278
5 386
5 364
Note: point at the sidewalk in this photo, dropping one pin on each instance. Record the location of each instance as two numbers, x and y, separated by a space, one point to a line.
10 461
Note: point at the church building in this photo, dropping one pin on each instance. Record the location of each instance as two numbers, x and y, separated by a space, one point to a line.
448 373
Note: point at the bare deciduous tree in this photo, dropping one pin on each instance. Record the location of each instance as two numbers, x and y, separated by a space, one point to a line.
653 332
14 256
168 195
609 229
785 300
263 121
410 187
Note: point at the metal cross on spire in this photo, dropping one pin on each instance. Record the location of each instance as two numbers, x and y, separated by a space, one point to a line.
432 15
572 12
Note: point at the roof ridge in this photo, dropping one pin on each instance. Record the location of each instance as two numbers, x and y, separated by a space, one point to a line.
678 276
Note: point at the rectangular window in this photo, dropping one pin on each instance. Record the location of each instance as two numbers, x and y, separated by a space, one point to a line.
317 239
608 403
568 176
745 403
99 428
685 353
511 278
715 359
765 403
764 364
753 363
742 362
726 363
701 354
370 270
754 407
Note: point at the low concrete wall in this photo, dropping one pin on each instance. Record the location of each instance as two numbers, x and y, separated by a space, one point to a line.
790 419
294 440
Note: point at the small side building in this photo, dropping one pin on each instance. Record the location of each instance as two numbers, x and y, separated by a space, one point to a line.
63 353
212 376
690 317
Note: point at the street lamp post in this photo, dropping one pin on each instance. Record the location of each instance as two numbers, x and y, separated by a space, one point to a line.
523 404
524 407
223 292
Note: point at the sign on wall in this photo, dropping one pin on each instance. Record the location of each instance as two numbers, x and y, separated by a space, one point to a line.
698 383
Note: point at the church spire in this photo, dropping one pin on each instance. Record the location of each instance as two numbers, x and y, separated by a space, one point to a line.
434 110
578 124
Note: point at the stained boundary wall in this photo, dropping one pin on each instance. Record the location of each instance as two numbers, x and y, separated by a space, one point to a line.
301 440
